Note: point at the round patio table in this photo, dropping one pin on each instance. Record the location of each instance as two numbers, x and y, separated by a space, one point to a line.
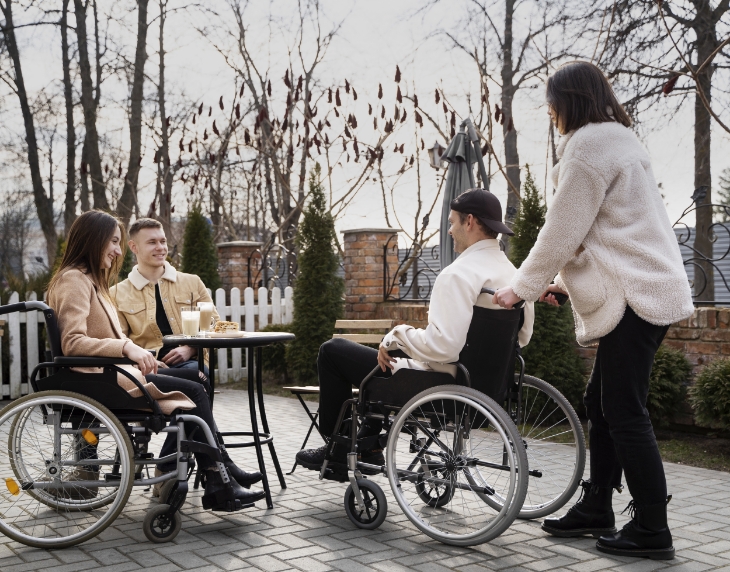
254 342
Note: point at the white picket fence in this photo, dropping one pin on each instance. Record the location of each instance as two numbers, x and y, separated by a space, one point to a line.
254 314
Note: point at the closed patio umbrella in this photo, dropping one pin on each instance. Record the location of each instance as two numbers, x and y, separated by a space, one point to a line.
461 154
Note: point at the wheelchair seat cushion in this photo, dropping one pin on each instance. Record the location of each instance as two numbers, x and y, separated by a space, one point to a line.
403 385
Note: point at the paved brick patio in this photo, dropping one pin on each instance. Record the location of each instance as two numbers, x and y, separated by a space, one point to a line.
308 529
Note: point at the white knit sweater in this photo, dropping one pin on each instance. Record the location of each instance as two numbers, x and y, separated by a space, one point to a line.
608 235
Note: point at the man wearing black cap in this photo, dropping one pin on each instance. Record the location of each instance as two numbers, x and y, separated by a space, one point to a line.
476 221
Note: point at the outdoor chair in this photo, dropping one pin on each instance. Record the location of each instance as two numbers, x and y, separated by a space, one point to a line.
384 326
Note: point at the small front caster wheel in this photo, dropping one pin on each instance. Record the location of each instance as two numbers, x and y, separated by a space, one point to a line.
372 515
159 526
434 494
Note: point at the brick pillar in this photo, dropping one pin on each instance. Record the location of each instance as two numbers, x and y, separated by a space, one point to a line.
364 279
233 263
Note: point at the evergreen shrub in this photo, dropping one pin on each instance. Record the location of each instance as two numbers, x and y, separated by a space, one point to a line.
710 395
318 293
551 354
274 356
667 384
200 255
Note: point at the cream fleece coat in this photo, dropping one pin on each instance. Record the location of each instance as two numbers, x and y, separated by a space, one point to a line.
608 235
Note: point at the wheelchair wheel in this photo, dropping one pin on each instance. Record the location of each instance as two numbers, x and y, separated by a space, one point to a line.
556 450
467 440
372 515
158 526
67 472
71 501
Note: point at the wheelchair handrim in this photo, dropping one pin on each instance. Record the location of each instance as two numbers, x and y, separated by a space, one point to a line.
499 518
125 464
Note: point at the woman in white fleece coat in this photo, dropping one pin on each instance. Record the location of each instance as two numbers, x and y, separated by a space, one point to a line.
608 238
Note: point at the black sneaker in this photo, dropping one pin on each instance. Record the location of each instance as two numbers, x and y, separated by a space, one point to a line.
372 457
313 458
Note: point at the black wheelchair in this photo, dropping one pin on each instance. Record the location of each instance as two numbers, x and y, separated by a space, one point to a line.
464 457
77 446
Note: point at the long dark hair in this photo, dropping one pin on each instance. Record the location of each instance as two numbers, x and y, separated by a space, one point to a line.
88 238
579 94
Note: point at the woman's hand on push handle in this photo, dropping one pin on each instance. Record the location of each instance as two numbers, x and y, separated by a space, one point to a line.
145 361
548 297
506 298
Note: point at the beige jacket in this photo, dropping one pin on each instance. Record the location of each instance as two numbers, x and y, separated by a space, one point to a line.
89 327
608 235
137 309
455 293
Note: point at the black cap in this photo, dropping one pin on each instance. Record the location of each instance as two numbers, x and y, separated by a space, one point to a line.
484 206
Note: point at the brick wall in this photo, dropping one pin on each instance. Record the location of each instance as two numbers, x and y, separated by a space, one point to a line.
363 262
233 263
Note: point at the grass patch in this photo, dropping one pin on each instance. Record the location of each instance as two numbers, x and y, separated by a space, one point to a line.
705 451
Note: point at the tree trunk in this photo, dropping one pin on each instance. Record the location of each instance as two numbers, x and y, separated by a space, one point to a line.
98 189
129 194
43 205
69 211
512 157
166 189
84 195
706 44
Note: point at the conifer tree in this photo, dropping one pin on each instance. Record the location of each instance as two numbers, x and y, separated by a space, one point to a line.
200 255
551 354
318 294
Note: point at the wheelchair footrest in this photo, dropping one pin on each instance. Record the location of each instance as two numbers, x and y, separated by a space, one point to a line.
232 506
196 447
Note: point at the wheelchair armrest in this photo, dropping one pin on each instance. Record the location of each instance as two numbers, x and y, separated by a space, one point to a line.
112 363
91 361
399 354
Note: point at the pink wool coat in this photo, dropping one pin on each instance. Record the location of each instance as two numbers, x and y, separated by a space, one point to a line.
89 326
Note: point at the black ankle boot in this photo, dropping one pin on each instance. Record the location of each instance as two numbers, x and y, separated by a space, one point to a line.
592 514
227 497
242 477
646 535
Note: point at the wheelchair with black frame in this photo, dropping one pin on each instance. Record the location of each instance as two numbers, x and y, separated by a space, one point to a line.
464 457
77 446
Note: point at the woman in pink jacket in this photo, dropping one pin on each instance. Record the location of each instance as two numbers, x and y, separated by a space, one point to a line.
89 326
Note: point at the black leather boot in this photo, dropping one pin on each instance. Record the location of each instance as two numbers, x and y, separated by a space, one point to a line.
646 535
227 497
592 514
242 477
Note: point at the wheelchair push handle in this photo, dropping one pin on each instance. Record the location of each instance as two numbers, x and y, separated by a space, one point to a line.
561 298
23 307
517 306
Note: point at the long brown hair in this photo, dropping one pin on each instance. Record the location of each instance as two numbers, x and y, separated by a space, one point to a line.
579 94
88 238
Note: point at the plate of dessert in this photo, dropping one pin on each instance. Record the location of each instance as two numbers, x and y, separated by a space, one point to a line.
225 329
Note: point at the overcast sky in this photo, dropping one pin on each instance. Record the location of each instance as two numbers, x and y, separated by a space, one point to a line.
374 37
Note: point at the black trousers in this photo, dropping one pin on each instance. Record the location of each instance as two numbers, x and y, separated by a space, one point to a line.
621 434
341 365
189 382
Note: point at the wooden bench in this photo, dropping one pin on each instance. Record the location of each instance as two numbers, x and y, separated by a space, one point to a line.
361 338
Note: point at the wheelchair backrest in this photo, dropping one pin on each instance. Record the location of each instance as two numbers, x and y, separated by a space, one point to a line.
489 352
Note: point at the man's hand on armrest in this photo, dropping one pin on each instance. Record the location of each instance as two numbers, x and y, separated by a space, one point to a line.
384 359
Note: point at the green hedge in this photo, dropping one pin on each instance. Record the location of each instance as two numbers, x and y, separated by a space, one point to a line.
710 395
667 385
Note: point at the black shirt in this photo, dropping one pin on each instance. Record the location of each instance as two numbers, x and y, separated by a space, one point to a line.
162 322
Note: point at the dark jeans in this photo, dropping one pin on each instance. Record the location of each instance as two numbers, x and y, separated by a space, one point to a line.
187 381
190 364
341 365
621 435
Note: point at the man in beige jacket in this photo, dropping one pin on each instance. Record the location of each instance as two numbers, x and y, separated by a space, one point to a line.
150 299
